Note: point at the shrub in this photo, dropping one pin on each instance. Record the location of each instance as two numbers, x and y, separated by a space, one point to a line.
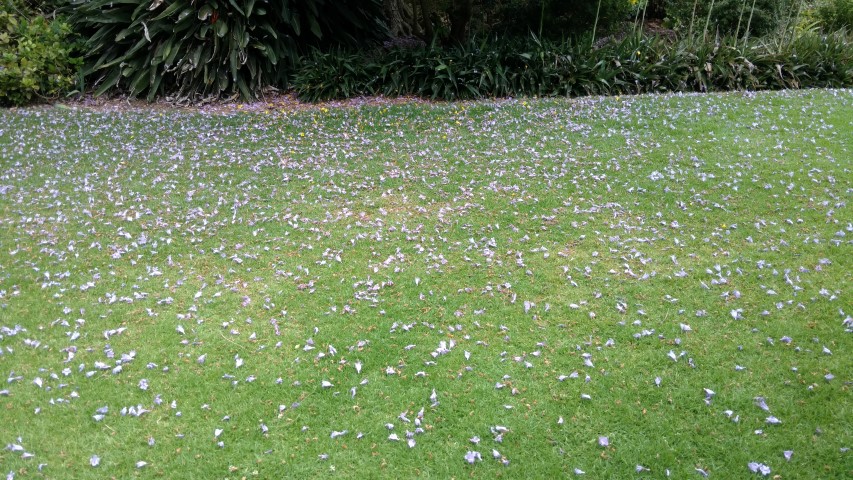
216 47
728 17
835 14
558 18
535 67
37 58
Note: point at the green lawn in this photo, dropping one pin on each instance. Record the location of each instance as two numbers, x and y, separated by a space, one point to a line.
543 287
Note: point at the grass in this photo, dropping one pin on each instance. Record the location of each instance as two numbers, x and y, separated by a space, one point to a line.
477 251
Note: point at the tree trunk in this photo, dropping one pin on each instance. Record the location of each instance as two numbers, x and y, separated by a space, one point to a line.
461 12
426 13
399 16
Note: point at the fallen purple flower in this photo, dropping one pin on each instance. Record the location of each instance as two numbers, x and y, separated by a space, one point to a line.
472 457
756 467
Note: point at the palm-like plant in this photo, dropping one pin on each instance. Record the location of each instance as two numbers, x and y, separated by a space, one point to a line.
210 47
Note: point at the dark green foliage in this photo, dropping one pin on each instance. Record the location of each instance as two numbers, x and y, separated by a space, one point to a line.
36 55
559 18
729 17
835 14
211 47
542 68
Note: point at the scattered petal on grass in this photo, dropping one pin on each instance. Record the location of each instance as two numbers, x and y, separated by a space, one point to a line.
266 238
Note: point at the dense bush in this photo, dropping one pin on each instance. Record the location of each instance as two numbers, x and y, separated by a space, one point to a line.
728 17
542 68
558 18
36 55
835 14
215 47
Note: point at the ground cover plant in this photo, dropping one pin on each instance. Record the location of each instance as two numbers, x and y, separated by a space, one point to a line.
533 67
613 287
